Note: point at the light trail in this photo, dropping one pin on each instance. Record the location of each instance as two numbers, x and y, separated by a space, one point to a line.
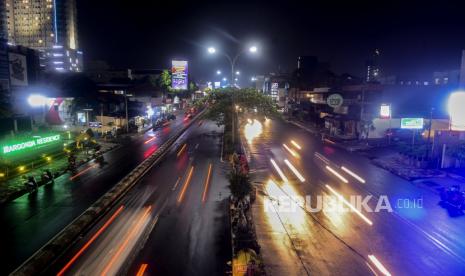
126 241
280 172
322 158
186 183
354 175
176 184
181 150
293 153
207 181
379 265
342 178
296 145
83 171
367 220
294 170
150 140
141 270
89 242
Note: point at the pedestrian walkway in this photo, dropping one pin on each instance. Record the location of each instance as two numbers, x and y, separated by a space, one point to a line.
14 187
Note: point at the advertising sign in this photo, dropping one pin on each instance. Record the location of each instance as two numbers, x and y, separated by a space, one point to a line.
18 69
274 90
334 100
411 123
179 74
385 111
29 144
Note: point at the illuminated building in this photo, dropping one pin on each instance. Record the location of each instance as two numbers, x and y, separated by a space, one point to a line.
48 26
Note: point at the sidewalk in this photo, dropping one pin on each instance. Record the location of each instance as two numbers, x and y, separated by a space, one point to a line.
14 187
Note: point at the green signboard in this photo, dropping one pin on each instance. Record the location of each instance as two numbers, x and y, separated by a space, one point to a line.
411 123
33 143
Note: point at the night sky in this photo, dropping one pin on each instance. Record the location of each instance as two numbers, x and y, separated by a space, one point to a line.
415 38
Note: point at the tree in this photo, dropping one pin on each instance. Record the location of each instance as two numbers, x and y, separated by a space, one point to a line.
221 103
165 81
239 185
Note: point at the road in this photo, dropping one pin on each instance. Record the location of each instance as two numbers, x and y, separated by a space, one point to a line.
411 240
173 222
32 220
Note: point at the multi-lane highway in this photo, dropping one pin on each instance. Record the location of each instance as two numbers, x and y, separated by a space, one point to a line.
173 222
32 220
417 238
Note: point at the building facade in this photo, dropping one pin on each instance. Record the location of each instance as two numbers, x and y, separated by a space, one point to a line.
48 26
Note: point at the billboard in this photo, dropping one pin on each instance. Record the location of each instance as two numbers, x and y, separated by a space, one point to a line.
179 74
18 69
411 123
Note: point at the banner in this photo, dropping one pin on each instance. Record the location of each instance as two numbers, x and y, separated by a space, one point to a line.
179 74
18 69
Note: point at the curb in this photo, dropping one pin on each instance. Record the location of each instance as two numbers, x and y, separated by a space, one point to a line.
46 255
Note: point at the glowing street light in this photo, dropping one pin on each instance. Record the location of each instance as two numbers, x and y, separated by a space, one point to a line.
238 73
253 79
225 79
456 110
218 72
232 60
36 100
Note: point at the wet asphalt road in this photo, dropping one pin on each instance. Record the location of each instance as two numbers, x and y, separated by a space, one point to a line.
175 220
407 241
32 220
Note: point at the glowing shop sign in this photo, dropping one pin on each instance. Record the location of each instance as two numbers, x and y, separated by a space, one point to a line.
30 144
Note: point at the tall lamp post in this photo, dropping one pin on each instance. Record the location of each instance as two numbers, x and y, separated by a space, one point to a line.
233 60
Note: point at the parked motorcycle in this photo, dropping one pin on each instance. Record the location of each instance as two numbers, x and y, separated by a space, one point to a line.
453 196
98 156
31 185
47 177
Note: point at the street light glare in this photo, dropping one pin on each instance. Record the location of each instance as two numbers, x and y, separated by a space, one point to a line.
253 49
224 79
456 110
211 50
218 72
238 73
36 100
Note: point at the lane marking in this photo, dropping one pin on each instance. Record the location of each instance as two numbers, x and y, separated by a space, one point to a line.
367 220
176 184
293 153
296 145
354 175
89 242
207 181
280 172
181 150
294 170
141 270
379 265
186 183
126 241
338 175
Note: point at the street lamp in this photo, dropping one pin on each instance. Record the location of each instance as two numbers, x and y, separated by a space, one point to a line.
218 72
232 60
238 73
36 100
225 79
253 79
456 110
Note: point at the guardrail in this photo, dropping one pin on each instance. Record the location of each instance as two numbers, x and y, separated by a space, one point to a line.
46 255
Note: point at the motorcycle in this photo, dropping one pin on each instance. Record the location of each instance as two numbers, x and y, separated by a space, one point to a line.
453 196
31 185
47 177
98 156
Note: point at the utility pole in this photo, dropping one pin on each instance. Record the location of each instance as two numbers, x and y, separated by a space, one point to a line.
126 107
429 133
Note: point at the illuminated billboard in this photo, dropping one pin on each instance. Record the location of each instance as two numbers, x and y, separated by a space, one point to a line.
31 144
179 74
411 123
